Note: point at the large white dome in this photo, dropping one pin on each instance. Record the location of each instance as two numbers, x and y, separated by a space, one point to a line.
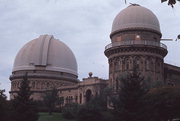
46 51
135 16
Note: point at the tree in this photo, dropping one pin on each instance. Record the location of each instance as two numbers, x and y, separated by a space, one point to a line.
50 99
96 108
163 103
25 109
70 111
89 113
170 2
100 100
6 108
128 106
2 105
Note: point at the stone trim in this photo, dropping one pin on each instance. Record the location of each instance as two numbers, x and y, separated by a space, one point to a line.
135 49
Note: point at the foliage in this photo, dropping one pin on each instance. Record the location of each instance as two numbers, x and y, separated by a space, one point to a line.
70 111
128 106
170 2
89 113
6 108
2 105
41 107
96 108
108 116
2 95
53 117
24 108
50 99
163 103
99 102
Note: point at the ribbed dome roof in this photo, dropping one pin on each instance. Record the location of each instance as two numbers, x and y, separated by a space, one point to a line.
135 16
46 51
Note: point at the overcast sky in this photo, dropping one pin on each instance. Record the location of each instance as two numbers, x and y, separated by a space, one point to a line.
84 25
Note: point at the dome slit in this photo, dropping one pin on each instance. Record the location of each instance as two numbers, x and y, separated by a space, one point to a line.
46 50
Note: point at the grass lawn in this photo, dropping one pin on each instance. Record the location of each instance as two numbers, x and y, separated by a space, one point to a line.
53 117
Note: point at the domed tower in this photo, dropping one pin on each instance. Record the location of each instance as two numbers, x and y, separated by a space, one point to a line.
48 62
135 39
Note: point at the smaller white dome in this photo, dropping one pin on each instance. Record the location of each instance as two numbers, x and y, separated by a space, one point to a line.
135 16
46 51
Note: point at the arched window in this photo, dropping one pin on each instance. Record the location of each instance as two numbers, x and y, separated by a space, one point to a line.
120 64
151 65
110 67
33 84
47 85
127 64
117 85
14 85
71 99
88 95
123 64
115 66
18 84
61 100
67 100
43 85
158 65
147 64
130 64
76 99
137 63
80 98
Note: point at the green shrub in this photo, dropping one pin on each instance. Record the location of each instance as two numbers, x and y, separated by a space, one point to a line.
107 116
70 111
89 114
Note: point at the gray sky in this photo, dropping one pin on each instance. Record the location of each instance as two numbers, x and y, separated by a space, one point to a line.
84 25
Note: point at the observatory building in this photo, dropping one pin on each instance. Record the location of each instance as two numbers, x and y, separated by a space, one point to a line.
135 39
48 63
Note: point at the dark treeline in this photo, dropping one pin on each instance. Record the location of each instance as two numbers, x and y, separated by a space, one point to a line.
21 108
136 100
